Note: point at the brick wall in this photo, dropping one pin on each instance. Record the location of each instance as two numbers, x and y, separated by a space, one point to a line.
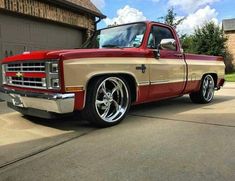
231 43
50 12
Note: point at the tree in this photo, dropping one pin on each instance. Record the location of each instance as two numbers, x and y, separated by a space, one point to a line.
210 40
187 43
171 18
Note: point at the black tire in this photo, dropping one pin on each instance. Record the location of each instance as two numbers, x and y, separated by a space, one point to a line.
206 93
114 100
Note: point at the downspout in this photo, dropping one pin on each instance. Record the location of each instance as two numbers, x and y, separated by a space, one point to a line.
99 19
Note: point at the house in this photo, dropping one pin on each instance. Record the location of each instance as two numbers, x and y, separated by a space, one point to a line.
229 30
49 24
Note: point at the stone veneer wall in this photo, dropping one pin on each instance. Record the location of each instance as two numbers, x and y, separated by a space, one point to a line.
43 10
231 43
86 4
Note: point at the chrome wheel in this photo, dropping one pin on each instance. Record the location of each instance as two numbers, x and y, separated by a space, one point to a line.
208 87
112 99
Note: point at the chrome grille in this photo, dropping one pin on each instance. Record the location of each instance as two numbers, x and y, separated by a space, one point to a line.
26 82
32 74
26 67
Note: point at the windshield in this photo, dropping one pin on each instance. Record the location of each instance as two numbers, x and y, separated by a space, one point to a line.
126 36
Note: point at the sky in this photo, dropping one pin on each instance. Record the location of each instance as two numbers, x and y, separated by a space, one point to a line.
196 12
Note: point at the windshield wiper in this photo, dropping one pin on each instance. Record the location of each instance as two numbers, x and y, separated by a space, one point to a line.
110 46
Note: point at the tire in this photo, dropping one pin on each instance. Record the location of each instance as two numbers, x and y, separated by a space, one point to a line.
108 101
206 93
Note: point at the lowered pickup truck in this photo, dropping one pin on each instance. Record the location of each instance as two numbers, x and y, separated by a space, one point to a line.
117 67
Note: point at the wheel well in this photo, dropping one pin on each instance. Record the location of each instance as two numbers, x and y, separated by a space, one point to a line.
129 78
214 75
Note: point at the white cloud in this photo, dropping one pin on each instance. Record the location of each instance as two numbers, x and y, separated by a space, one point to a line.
126 15
99 3
190 6
197 19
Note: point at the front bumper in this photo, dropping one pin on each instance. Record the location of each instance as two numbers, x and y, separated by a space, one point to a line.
49 102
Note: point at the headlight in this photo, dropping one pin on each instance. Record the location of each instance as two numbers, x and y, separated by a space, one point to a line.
53 81
54 67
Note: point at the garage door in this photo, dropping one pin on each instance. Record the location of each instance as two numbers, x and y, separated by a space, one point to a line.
19 34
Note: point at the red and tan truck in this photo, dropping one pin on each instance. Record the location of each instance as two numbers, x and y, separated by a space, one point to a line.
117 67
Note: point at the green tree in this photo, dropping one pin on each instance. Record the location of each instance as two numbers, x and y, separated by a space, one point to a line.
187 43
171 18
209 40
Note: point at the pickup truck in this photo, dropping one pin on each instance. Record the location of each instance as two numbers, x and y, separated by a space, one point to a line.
117 67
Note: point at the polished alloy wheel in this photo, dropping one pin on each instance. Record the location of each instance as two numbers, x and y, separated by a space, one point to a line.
208 87
112 99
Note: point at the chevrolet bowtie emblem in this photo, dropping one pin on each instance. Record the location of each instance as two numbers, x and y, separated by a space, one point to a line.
19 74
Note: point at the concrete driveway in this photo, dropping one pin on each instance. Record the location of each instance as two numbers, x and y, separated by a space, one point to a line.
168 140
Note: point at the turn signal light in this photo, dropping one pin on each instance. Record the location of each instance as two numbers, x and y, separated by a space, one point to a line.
74 89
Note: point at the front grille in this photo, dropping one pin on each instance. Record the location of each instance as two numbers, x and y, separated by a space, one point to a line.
26 82
26 67
13 69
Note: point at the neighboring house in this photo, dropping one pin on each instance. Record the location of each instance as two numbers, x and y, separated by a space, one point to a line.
45 24
229 29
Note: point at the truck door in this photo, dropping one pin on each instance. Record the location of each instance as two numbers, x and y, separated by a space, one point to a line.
168 71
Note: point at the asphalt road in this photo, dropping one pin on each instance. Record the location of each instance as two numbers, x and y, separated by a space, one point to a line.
167 140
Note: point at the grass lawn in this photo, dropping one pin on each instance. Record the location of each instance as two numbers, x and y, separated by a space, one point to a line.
230 77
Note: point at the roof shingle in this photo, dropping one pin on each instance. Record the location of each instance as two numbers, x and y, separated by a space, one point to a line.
79 5
86 4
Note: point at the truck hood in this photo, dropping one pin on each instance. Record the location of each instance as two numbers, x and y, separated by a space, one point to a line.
76 53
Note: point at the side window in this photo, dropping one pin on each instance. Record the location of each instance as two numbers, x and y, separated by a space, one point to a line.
157 34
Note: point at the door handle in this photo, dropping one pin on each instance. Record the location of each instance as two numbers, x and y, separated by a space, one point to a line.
142 68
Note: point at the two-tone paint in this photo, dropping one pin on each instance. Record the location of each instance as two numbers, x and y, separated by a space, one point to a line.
163 78
170 75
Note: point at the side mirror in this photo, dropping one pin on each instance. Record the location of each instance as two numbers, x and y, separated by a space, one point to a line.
168 44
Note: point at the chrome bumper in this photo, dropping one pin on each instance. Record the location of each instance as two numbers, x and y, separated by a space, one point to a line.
55 103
